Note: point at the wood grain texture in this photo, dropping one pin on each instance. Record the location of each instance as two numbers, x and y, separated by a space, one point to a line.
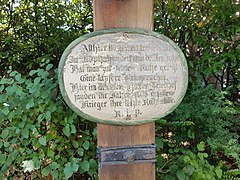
110 14
128 172
137 14
110 136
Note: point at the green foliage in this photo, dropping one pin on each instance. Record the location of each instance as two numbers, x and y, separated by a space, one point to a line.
208 33
206 116
212 115
208 113
34 31
40 137
232 175
183 164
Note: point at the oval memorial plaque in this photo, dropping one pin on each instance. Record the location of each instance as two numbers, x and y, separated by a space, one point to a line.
123 77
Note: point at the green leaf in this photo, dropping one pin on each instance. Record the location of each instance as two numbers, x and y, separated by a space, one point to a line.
80 151
208 176
49 66
218 172
11 115
54 165
10 158
45 74
5 110
42 140
2 158
75 144
6 144
50 153
37 80
19 91
40 72
73 129
33 89
30 104
13 73
19 79
1 88
91 172
159 143
86 145
68 171
205 155
40 118
55 174
75 166
181 175
201 146
25 133
93 163
174 168
3 81
5 133
85 166
168 177
189 170
48 115
46 170
66 130
22 124
37 162
32 72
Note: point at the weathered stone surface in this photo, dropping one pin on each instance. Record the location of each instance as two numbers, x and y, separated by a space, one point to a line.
123 76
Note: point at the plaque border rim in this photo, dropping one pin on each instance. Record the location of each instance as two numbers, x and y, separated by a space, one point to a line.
80 39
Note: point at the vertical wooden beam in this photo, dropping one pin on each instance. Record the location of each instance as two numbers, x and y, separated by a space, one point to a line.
138 14
110 14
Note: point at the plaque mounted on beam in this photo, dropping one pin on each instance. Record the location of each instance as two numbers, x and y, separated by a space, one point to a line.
123 76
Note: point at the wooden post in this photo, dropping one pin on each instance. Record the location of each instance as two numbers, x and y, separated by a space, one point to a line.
138 14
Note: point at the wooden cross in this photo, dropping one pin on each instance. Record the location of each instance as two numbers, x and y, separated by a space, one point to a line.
109 14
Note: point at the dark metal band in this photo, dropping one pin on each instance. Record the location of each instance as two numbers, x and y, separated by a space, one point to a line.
127 154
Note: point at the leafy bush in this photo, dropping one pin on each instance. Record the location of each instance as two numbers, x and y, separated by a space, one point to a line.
31 31
40 136
212 115
183 164
210 110
212 52
204 116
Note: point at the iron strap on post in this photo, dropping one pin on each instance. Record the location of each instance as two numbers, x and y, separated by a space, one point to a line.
127 154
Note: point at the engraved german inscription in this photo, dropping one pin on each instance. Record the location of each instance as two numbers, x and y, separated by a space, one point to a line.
124 77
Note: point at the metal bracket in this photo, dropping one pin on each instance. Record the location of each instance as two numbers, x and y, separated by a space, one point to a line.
127 154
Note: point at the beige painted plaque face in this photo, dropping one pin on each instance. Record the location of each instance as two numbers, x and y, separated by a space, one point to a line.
123 77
